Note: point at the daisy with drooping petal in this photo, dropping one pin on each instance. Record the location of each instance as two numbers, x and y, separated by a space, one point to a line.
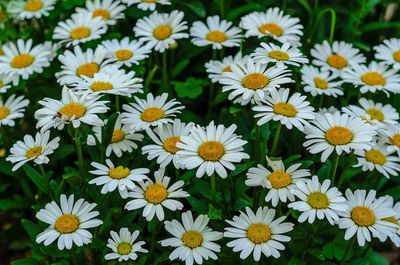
123 245
389 52
290 111
364 217
6 82
108 10
68 223
151 111
111 177
36 149
258 233
273 23
79 28
317 200
253 81
337 56
122 139
395 219
192 239
31 9
218 33
165 138
72 108
279 181
160 30
146 4
154 196
286 54
338 132
11 109
320 82
391 136
215 68
211 149
372 78
125 52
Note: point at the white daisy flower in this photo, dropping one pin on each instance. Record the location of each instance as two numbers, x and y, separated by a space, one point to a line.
151 111
273 23
22 59
125 52
146 4
160 30
279 181
11 109
285 54
380 159
330 110
31 9
211 149
218 33
79 28
336 57
372 78
258 233
338 132
72 108
123 245
192 239
364 217
6 82
320 82
154 196
290 111
395 219
111 177
108 10
111 80
68 223
215 68
253 81
317 200
122 139
391 136
389 52
165 138
36 149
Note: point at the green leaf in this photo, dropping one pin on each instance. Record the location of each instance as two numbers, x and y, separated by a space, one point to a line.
214 213
5 167
328 251
306 6
191 88
149 79
27 261
376 259
316 252
179 67
198 205
196 6
381 25
108 130
11 204
31 228
37 178
242 167
236 12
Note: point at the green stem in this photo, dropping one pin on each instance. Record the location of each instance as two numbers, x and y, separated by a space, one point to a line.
43 172
153 239
332 26
79 153
221 7
349 246
117 105
257 143
213 186
321 101
211 92
177 174
165 71
276 139
335 166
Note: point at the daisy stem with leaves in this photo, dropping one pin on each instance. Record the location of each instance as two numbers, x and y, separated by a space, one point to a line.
276 139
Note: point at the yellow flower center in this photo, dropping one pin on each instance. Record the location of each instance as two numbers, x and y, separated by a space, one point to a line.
66 224
80 33
162 32
156 193
363 216
124 248
1 83
373 79
216 36
150 1
375 156
391 219
101 86
3 152
4 112
255 81
192 239
123 54
337 61
88 69
103 13
279 55
279 179
396 56
259 233
338 135
33 5
211 151
227 69
285 109
395 140
119 172
1 50
117 136
376 114
22 60
152 114
320 83
318 200
34 152
272 28
170 144
73 109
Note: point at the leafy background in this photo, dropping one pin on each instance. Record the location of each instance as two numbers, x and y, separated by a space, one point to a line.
364 23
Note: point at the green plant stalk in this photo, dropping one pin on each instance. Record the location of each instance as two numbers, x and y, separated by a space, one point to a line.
165 71
177 174
211 92
117 104
222 8
335 166
43 172
276 139
154 233
332 25
349 246
79 154
213 186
